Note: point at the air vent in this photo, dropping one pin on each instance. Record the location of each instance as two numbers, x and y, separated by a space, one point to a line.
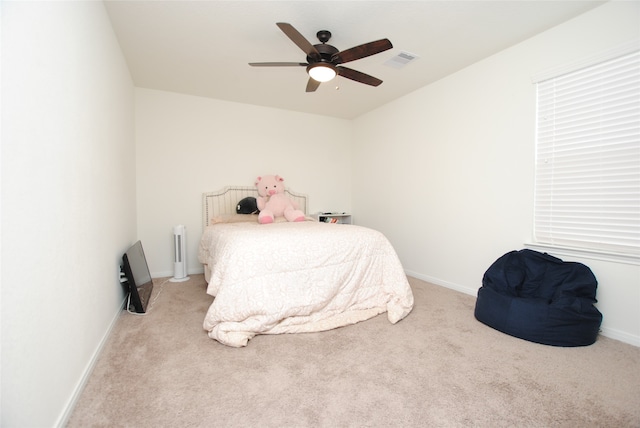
401 60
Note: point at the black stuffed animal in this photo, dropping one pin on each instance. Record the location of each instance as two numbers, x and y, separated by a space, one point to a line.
247 205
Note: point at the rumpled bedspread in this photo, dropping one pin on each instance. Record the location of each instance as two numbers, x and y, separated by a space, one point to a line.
298 277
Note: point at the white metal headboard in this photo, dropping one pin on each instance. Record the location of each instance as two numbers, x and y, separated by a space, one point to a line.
224 201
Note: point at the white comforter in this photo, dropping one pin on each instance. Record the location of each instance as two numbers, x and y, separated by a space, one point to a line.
298 277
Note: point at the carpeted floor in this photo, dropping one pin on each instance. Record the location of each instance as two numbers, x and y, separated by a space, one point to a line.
439 367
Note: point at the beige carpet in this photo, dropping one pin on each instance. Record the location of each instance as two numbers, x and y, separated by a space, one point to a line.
439 367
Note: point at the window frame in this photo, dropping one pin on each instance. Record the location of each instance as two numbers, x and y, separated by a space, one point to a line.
563 247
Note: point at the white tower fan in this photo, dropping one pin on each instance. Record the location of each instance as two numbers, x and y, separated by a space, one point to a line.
180 254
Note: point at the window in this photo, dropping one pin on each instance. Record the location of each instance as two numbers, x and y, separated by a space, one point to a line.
587 193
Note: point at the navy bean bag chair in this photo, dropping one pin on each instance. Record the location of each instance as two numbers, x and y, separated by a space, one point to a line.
540 298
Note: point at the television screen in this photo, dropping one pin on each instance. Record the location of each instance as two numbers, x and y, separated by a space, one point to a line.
138 277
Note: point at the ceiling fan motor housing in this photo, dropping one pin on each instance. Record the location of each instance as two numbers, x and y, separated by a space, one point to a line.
325 51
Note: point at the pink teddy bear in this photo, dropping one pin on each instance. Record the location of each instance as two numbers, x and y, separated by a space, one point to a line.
272 201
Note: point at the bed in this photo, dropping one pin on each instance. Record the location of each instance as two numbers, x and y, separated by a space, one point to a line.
293 277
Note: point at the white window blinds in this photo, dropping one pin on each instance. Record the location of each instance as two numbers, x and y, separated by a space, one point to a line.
587 191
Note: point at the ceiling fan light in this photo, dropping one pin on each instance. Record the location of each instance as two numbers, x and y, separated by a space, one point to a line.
322 72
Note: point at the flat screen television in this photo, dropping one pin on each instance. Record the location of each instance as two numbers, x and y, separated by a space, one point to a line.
139 280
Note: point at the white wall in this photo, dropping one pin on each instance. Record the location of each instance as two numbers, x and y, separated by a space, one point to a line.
457 165
188 145
67 149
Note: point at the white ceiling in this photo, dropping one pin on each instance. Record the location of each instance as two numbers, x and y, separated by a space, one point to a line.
203 47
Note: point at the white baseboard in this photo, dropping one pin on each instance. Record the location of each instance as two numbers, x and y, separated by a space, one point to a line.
162 274
64 417
611 333
440 282
168 274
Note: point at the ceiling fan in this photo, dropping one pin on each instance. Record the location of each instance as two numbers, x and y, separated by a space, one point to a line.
323 60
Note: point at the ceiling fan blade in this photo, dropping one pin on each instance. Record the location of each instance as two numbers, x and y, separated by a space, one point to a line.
278 64
299 40
312 85
358 76
361 51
